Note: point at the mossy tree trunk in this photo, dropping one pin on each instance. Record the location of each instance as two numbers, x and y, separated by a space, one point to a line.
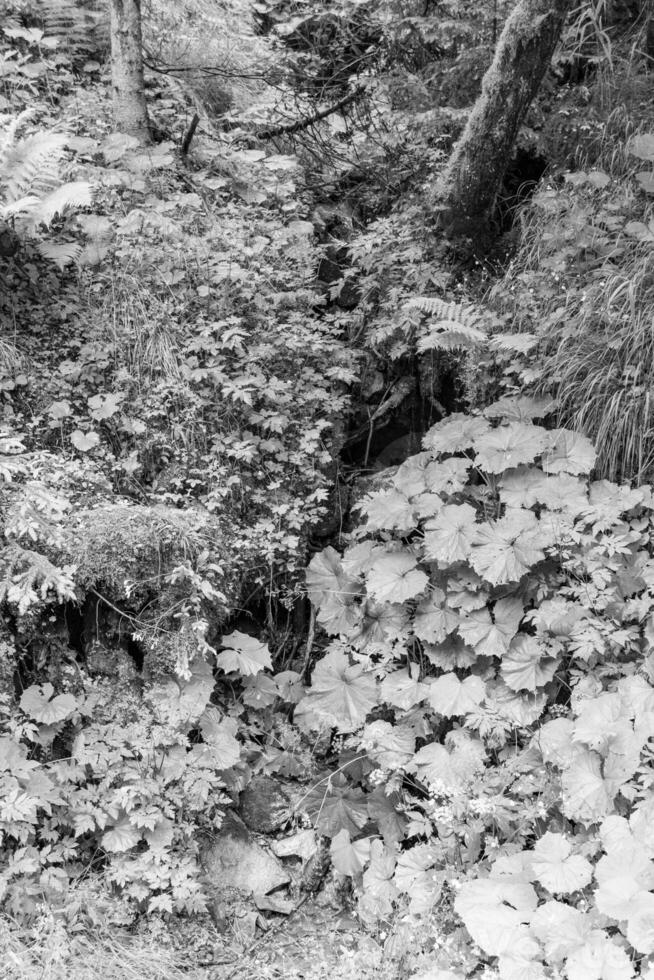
130 109
468 188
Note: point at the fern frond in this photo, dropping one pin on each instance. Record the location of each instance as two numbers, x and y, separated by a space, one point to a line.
520 342
61 253
75 194
29 578
79 30
8 137
452 324
24 205
449 335
11 359
29 163
462 313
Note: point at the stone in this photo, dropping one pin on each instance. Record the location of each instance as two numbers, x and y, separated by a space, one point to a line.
264 806
233 862
302 844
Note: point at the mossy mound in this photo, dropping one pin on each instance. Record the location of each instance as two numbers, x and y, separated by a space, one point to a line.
129 551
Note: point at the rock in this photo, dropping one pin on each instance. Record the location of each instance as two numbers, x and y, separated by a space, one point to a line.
234 863
302 844
264 805
104 660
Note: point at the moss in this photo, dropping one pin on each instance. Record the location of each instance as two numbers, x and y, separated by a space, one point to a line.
127 551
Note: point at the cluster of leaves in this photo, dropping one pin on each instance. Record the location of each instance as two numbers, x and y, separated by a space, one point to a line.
99 778
209 386
580 295
490 668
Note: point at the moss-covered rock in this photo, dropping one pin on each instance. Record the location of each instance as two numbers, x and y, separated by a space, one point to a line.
131 550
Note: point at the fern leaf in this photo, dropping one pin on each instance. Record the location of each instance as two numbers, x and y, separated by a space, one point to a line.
520 342
438 309
449 335
61 253
79 30
13 128
30 162
75 194
23 205
452 324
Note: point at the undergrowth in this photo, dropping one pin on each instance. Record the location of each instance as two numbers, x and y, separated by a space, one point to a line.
466 714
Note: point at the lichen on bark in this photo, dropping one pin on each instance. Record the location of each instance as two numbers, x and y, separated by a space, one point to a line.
466 192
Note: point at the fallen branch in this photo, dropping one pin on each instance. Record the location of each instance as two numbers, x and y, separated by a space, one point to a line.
296 127
186 142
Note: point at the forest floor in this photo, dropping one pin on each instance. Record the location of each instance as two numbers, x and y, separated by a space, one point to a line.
313 943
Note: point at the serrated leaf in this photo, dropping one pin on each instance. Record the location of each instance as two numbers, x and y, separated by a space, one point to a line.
615 897
326 578
220 733
448 771
386 811
452 653
388 510
37 702
494 912
122 836
336 808
554 739
434 620
560 928
84 441
642 146
507 549
341 694
449 535
160 837
391 746
443 477
412 863
522 408
349 858
396 577
599 720
104 406
557 868
527 666
599 959
640 923
378 887
646 180
182 700
491 636
509 446
244 654
260 691
59 410
586 795
568 452
456 433
403 689
380 622
452 697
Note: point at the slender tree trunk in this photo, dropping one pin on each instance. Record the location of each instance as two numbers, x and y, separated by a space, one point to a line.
468 188
130 109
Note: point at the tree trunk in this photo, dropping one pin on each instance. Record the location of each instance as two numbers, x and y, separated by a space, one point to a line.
468 188
130 109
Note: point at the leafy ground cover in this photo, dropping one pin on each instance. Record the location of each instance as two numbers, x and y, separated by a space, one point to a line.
445 665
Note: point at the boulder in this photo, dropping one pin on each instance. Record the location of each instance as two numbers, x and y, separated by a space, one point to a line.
233 862
264 806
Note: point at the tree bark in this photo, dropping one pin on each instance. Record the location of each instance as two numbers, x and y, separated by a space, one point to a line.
130 109
468 188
